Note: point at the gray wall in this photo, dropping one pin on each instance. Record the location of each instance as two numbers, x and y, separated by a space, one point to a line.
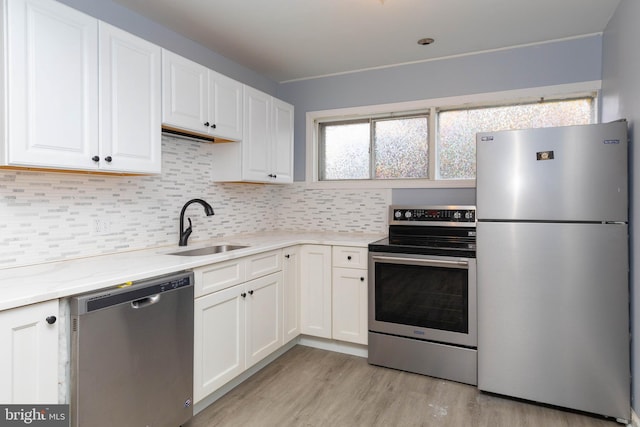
128 20
569 61
621 99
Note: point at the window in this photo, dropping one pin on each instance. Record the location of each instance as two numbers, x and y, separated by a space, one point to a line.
380 148
456 145
435 142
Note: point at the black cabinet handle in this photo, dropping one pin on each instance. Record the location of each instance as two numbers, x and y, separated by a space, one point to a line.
349 258
51 320
287 256
213 126
206 123
251 292
362 279
95 158
108 159
243 295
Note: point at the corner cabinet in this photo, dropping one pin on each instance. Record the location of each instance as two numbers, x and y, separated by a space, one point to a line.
334 299
265 154
79 94
315 290
199 100
29 354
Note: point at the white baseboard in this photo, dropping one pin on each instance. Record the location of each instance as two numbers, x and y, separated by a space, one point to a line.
336 346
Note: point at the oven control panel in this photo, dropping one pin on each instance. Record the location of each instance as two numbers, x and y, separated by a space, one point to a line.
432 215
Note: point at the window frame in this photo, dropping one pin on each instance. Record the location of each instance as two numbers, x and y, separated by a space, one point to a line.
371 120
432 106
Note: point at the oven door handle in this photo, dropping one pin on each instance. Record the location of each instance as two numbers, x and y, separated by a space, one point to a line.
419 261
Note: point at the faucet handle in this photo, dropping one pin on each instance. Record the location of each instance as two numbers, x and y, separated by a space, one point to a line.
189 227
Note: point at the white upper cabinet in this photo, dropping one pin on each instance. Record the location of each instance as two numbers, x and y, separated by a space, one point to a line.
197 99
130 103
266 151
80 95
51 63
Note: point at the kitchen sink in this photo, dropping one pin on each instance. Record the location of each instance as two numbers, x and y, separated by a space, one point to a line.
209 250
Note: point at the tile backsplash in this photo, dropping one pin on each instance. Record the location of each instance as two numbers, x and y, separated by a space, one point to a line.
46 216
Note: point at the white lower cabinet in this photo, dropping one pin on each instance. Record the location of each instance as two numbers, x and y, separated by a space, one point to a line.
237 326
29 354
219 344
333 283
349 304
263 317
315 290
291 293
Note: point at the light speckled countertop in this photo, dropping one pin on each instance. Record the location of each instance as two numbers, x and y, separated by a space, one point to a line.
32 284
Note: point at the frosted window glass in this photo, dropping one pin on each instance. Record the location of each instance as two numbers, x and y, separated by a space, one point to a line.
401 148
457 128
346 151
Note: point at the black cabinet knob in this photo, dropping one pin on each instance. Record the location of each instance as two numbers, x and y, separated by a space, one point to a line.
213 126
95 158
51 320
362 279
108 159
243 295
287 256
349 258
206 123
251 292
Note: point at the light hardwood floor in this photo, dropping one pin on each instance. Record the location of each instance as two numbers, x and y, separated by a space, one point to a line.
312 388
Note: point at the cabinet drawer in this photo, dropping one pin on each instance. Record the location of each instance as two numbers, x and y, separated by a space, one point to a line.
263 264
349 257
218 276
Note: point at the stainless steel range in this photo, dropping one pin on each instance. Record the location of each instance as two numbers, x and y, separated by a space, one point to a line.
422 293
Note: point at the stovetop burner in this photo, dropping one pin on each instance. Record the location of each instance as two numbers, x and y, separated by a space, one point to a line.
433 230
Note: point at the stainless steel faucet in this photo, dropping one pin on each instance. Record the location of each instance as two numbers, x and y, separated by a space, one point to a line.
184 234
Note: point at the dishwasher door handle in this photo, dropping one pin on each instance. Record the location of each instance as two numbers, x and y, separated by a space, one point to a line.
145 302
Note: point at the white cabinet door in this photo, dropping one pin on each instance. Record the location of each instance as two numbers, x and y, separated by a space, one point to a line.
265 153
52 86
349 306
130 103
185 88
197 99
29 354
225 107
219 340
263 317
315 290
282 141
291 293
256 144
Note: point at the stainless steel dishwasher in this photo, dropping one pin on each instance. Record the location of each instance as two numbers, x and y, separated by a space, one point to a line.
132 354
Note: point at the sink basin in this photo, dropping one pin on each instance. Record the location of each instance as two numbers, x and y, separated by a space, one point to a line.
209 250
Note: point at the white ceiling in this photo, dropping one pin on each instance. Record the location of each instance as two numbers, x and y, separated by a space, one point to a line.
297 39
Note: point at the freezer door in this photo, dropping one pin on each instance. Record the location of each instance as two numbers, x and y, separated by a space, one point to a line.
553 319
573 173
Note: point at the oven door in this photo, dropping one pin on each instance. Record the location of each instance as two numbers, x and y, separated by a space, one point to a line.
423 297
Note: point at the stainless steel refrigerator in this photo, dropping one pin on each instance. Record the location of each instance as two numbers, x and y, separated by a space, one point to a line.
552 260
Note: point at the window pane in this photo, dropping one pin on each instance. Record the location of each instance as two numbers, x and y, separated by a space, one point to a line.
346 151
457 129
401 148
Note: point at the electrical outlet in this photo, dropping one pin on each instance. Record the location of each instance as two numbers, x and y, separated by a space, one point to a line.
102 226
